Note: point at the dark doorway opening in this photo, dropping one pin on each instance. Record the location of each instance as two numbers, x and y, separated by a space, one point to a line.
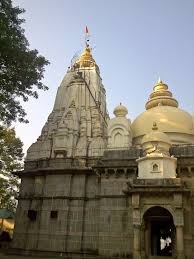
161 238
160 234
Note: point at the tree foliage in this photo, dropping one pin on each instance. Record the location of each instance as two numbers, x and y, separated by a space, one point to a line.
21 69
11 156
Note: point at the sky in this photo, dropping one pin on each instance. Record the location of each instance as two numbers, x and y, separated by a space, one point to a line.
134 43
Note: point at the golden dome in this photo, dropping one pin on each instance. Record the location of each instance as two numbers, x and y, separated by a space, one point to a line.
161 96
120 111
176 123
86 59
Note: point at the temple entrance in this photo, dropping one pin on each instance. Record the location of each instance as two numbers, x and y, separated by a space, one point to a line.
159 233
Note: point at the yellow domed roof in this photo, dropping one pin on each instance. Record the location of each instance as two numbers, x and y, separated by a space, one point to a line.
120 111
169 119
176 123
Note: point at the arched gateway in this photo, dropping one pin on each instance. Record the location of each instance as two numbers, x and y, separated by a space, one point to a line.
159 233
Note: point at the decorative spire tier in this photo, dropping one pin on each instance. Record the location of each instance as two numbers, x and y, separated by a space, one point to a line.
161 96
86 60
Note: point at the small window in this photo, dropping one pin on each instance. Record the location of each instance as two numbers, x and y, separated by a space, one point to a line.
54 214
32 215
155 168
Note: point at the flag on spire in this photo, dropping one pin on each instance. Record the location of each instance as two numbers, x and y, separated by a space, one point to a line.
87 36
87 32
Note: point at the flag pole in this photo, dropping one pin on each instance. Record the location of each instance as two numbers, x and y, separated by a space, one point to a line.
87 36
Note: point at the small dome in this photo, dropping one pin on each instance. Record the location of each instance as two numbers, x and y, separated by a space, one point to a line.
156 142
156 136
120 111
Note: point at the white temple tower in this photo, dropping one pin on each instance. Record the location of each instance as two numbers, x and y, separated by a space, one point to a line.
77 126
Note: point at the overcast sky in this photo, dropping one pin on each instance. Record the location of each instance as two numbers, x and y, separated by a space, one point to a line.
135 42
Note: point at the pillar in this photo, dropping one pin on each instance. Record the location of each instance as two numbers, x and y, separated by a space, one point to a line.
179 242
147 238
136 242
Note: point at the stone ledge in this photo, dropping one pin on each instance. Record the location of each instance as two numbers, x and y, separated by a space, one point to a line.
64 197
55 171
164 182
167 185
84 254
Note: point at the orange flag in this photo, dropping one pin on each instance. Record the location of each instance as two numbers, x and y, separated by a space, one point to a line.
87 32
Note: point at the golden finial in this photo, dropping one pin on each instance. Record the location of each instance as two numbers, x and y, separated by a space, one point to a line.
160 85
86 60
161 96
160 81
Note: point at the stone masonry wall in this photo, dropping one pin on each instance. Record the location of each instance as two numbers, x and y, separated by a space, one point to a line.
93 215
115 218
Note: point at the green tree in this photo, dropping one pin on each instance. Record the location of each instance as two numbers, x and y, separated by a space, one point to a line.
21 74
11 156
21 69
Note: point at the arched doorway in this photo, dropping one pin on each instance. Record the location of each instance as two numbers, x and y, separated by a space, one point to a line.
159 234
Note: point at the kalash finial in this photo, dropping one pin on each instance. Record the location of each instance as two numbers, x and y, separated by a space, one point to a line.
160 85
160 81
